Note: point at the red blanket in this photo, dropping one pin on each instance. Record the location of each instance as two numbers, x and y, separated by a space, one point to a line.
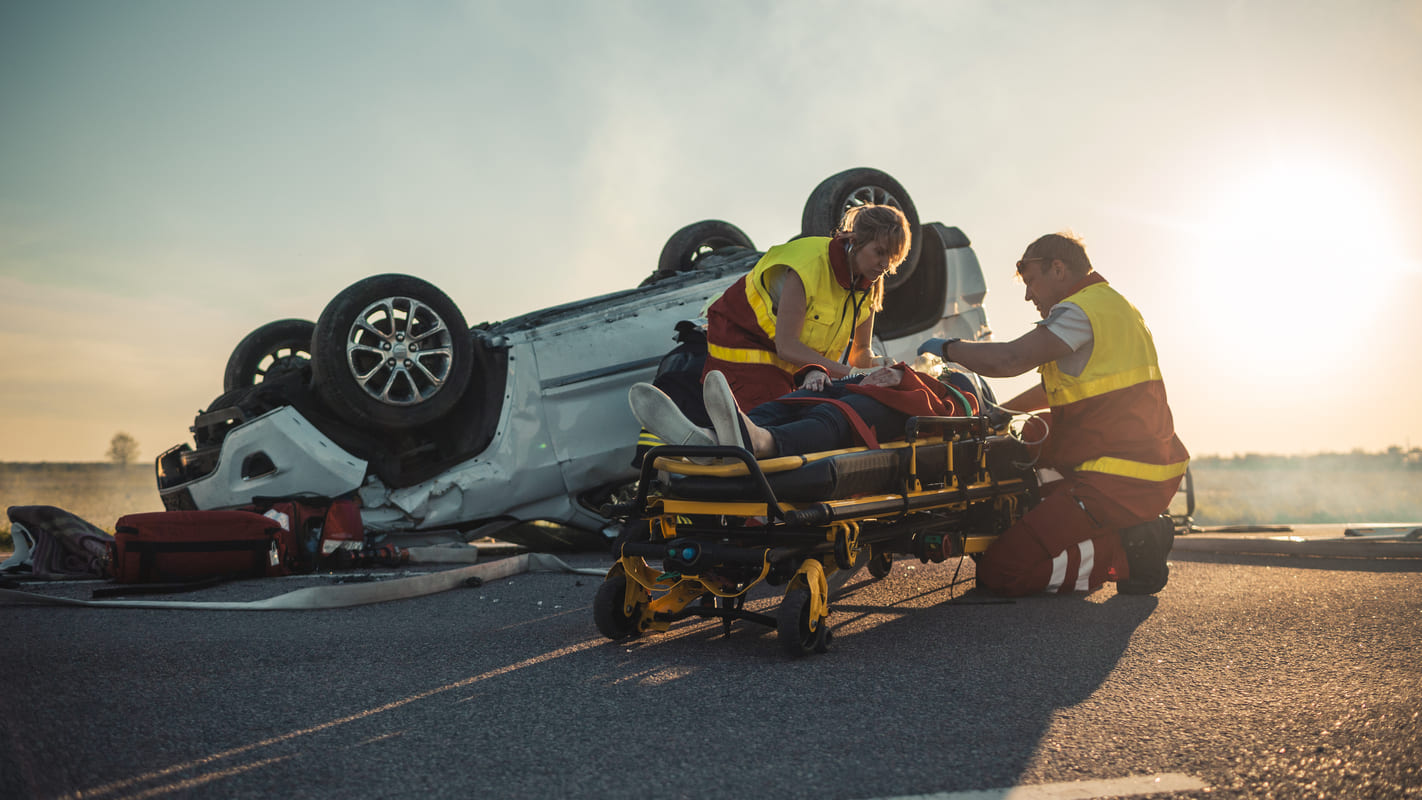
917 395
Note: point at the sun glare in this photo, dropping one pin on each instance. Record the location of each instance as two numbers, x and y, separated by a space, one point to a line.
1291 240
1327 222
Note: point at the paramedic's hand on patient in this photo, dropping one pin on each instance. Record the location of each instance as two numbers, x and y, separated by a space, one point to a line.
818 381
884 376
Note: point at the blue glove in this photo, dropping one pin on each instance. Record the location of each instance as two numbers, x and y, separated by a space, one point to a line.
935 346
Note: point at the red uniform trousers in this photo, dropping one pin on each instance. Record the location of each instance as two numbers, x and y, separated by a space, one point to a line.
1070 542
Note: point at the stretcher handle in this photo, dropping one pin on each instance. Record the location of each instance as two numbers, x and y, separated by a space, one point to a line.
817 514
638 506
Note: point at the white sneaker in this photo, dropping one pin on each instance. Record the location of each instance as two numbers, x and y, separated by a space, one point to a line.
658 414
722 409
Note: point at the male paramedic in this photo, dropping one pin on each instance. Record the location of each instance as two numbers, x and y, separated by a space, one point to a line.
1110 434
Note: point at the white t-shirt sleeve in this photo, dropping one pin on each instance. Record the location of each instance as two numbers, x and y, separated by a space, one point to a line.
1069 323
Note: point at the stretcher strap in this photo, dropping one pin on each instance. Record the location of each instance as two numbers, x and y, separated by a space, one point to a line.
861 428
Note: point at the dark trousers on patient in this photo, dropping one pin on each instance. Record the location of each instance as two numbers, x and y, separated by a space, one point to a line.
800 428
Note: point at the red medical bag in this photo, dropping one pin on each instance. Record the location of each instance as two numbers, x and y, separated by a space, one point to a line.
168 546
325 531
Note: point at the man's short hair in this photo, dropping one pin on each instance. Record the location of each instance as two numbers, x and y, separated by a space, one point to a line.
1065 247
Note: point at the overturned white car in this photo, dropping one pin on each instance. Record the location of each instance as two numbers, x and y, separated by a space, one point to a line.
445 430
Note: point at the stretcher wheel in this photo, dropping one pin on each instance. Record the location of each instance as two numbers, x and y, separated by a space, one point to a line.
842 557
881 565
613 619
798 634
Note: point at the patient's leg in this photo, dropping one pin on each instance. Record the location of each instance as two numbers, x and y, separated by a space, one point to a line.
796 429
792 430
762 442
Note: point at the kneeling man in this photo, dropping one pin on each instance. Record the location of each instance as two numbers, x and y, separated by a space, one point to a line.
1110 434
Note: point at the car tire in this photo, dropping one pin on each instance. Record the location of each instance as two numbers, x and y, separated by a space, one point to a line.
276 347
857 187
391 351
689 245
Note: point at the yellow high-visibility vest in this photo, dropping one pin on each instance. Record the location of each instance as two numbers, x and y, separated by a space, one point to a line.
1118 397
830 316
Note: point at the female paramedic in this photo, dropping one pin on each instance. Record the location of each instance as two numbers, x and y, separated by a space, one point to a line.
808 301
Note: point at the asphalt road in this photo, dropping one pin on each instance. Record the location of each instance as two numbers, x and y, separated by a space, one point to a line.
1249 676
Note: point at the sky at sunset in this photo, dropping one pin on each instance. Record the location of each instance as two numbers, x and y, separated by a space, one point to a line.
174 174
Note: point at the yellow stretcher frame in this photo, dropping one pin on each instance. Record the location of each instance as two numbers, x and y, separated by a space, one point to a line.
798 544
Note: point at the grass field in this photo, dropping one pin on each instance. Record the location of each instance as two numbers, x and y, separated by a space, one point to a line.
1302 495
101 493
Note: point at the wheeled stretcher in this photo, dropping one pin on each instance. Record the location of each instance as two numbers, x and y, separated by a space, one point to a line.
698 536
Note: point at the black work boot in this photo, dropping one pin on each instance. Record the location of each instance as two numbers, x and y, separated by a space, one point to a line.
1147 546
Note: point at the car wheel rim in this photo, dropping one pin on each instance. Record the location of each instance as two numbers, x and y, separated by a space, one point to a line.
871 195
399 351
708 247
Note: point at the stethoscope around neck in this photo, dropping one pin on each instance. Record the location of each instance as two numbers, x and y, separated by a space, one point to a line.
856 296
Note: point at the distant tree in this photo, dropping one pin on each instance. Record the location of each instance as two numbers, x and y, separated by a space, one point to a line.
123 449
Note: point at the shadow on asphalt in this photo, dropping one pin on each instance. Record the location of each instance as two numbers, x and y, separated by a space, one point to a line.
979 680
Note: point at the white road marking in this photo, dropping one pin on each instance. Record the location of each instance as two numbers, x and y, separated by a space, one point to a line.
1134 786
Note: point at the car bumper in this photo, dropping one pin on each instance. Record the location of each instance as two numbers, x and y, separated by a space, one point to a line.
278 454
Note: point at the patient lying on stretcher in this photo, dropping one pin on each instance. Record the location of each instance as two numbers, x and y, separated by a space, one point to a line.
821 415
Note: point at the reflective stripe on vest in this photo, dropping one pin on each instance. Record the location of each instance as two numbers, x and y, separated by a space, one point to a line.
1107 383
1134 469
749 355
